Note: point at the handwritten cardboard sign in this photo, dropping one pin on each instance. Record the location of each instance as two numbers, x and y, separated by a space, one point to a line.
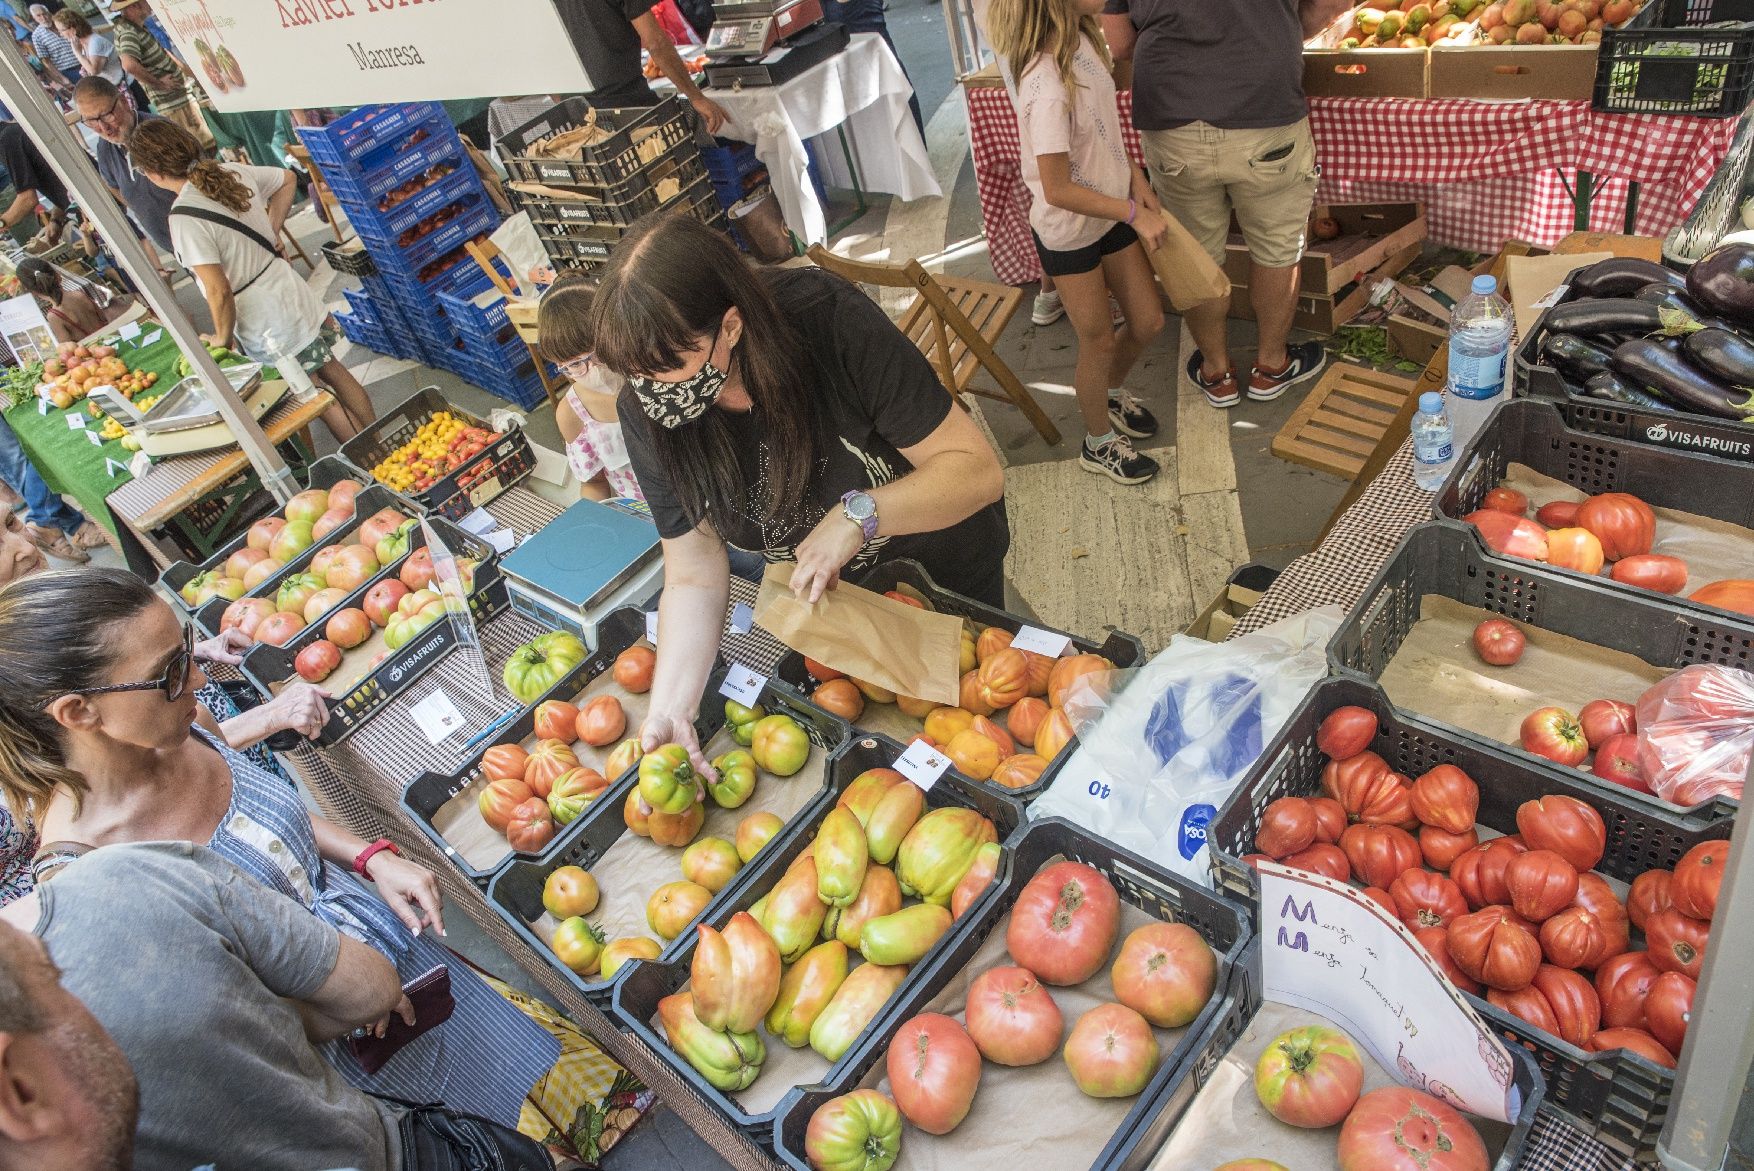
1327 948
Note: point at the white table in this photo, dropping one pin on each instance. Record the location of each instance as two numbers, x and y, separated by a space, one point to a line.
861 91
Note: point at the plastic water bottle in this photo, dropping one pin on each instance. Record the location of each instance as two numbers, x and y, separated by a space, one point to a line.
1434 450
1479 351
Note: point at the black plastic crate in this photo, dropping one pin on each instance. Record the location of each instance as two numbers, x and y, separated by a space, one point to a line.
1620 1098
1534 433
265 666
1664 61
349 258
1444 559
1138 882
614 160
1728 438
1121 649
508 460
638 992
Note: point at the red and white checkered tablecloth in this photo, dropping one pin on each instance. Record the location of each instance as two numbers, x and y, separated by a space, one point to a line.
1485 171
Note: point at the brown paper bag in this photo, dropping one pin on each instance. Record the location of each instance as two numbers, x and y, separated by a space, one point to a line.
1187 274
910 651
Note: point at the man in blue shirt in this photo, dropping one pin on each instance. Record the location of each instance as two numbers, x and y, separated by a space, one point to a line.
111 116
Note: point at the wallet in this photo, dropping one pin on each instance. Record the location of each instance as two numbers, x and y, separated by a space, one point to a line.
430 994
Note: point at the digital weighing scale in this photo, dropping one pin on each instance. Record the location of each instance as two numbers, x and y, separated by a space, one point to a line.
592 559
761 42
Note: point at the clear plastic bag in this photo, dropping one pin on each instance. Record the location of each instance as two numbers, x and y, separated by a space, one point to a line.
1696 734
1161 747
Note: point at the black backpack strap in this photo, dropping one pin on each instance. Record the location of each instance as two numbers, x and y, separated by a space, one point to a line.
225 221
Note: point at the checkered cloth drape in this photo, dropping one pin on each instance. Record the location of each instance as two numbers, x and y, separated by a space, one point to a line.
1485 171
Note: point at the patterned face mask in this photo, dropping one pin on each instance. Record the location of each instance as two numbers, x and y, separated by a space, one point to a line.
671 404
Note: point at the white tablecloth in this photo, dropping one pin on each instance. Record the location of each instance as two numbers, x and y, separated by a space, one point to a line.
862 89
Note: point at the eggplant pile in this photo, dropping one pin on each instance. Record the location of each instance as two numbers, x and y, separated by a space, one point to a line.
1641 334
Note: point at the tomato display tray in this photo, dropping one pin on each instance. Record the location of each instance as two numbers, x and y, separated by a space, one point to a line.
268 667
1535 434
507 461
1681 429
1123 650
1140 884
1618 1097
516 892
638 992
1443 558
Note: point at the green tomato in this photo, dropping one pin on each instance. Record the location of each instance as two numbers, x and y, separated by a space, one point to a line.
666 780
860 1131
742 720
736 781
780 746
541 663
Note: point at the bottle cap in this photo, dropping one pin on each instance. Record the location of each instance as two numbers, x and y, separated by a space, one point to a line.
1485 285
1431 402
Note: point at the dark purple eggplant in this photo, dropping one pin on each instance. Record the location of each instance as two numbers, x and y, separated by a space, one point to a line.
1594 316
1574 355
1610 387
1654 367
1723 281
1621 276
1671 297
1722 354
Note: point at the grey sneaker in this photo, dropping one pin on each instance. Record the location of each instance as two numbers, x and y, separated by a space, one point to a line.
1117 460
1047 309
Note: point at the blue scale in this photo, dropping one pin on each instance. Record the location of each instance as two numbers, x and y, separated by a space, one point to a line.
591 559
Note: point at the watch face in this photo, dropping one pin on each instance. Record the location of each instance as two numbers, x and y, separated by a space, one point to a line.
861 507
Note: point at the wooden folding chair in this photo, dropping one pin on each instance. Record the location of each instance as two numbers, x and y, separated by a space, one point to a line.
320 188
484 253
954 321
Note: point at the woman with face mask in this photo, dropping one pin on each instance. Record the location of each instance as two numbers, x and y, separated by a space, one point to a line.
780 411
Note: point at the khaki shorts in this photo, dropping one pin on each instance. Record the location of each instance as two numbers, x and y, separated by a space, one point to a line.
1267 177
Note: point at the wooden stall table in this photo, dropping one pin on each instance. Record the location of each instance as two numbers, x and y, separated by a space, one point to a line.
162 497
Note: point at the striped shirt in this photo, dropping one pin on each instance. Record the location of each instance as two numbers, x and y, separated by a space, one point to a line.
52 47
134 41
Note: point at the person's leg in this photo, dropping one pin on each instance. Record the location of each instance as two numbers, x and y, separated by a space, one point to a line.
348 390
1184 171
1273 294
54 522
1272 185
1133 284
1104 450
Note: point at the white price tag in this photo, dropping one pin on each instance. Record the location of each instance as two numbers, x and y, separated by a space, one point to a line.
742 685
1042 642
1551 299
742 618
113 468
922 764
502 540
652 627
75 420
42 405
140 464
437 717
95 441
151 338
129 332
479 522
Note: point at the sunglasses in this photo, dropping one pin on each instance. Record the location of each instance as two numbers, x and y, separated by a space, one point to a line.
172 682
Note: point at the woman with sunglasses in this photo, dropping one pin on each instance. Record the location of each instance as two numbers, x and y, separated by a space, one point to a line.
102 742
779 411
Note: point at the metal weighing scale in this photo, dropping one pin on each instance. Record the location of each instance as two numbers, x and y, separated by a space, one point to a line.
768 42
591 559
183 420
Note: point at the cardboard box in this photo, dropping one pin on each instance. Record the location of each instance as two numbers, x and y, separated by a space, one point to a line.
1567 72
1370 233
1237 598
1414 339
1333 72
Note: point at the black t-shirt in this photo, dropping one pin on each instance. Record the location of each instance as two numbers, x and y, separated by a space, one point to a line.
603 36
876 395
26 168
1237 65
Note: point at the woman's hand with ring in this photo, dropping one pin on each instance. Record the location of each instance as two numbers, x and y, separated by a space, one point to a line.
822 555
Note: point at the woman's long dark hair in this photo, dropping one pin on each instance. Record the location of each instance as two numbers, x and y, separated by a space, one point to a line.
667 287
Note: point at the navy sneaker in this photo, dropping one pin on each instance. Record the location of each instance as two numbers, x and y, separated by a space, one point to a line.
1128 415
1221 392
1117 460
1302 361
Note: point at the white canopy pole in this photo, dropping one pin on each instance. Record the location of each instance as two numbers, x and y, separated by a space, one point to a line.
60 146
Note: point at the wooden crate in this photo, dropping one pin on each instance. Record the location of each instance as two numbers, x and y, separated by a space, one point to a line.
1322 313
1341 422
1370 233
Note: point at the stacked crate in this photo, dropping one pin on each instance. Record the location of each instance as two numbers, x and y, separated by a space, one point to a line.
648 160
492 354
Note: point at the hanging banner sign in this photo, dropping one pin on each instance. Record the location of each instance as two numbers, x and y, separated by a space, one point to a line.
288 54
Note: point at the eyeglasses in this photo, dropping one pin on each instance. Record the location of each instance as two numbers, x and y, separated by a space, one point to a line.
100 119
172 682
578 369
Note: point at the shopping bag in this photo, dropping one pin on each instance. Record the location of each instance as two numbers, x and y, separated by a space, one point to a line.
1188 275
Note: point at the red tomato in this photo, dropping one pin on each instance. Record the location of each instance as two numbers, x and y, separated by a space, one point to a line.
1287 826
1383 898
1652 571
633 669
1541 884
1667 1008
1649 894
1424 899
1617 762
1446 797
1734 594
499 799
1565 825
1309 1077
1321 858
1111 1052
1435 941
1330 818
1676 943
1441 848
1634 1040
1528 1005
841 698
1558 514
1064 923
1603 719
531 827
556 720
934 1069
1502 499
1345 732
1573 1001
1622 984
1397 1129
1480 871
1598 898
1012 1019
1575 548
1552 732
1369 791
1623 523
1697 876
1166 973
601 721
1499 643
1513 536
1573 938
1379 854
1494 949
821 672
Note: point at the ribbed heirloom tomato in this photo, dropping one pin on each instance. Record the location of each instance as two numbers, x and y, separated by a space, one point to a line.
1480 871
1397 1129
1699 873
1424 899
1379 854
1446 797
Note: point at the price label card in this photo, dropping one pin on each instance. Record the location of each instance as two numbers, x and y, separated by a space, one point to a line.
75 420
479 522
113 468
1553 298
1327 948
503 540
437 717
922 764
1042 642
129 332
742 618
652 627
93 437
743 685
140 464
42 406
151 338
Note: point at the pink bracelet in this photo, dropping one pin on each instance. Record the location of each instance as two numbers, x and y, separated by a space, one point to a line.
1132 209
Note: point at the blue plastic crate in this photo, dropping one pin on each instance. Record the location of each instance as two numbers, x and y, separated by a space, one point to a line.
729 161
466 315
372 224
392 258
464 278
367 187
356 135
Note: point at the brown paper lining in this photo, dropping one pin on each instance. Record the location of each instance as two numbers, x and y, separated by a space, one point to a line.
1226 1121
1436 673
920 649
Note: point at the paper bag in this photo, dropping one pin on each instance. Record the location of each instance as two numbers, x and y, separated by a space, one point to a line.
1188 275
1532 278
910 651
